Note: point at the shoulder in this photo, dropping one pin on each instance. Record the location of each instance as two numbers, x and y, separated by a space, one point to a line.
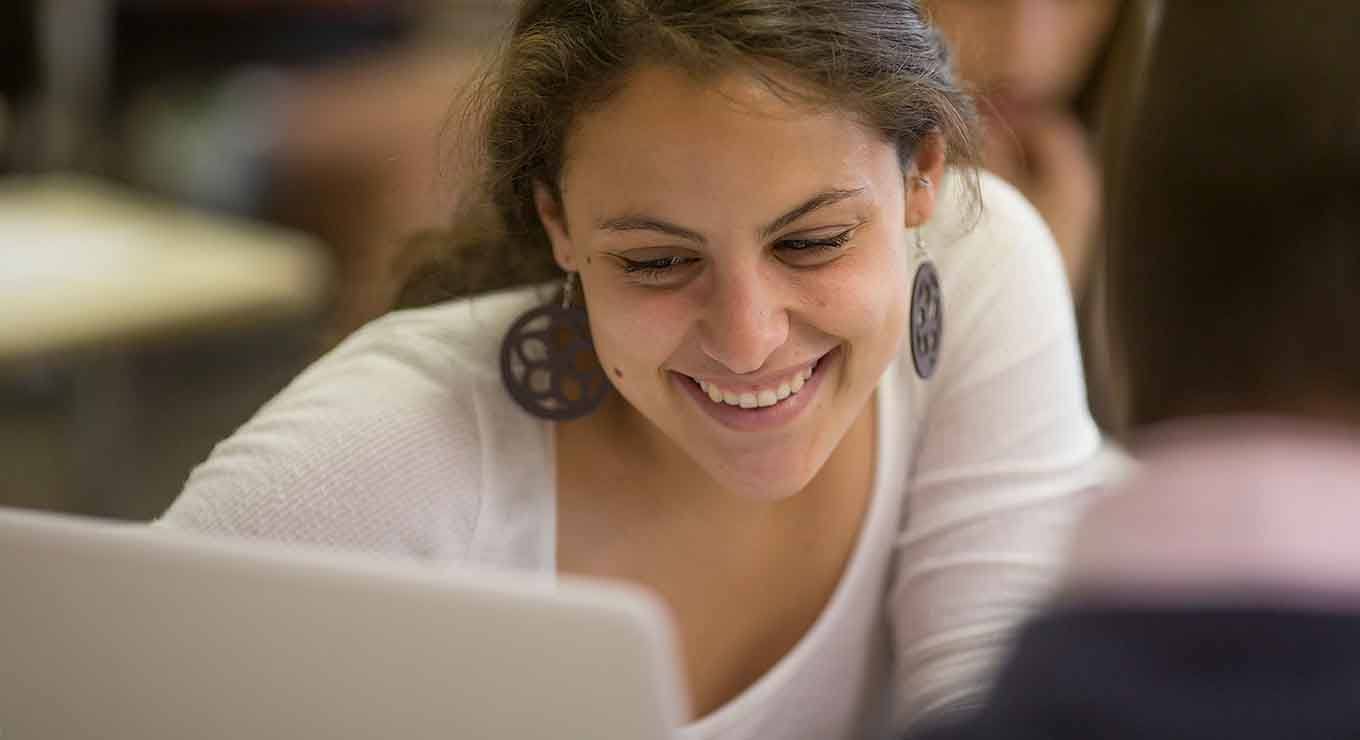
976 241
1005 293
1009 364
1001 279
464 334
1114 670
381 445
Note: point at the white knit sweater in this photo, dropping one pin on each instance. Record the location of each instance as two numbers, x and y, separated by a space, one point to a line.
402 441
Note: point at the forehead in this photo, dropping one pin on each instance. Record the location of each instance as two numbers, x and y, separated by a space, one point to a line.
666 133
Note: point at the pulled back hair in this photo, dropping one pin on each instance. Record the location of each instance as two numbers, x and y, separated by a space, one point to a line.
1235 225
876 59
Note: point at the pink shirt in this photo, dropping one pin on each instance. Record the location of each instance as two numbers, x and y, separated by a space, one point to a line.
1227 509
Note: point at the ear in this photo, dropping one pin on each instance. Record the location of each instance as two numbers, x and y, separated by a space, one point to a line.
554 221
923 179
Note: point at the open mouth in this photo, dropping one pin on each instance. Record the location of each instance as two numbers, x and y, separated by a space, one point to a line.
751 408
759 398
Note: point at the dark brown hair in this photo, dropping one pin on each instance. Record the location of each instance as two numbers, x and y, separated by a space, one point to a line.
876 58
1107 105
1235 232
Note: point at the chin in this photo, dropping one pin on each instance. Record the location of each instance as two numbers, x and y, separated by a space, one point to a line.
763 482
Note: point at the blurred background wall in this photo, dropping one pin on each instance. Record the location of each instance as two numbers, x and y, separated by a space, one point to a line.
197 197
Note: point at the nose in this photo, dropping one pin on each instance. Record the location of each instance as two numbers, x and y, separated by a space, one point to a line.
744 322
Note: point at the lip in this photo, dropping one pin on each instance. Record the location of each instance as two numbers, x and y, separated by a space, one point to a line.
758 419
747 383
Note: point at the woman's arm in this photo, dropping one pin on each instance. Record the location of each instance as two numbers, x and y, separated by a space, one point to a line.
373 448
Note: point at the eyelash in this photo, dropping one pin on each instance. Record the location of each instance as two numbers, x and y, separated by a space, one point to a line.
818 245
652 269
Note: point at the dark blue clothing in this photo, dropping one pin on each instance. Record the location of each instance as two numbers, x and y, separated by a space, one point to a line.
1175 674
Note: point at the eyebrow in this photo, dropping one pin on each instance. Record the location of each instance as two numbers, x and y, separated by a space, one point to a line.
635 222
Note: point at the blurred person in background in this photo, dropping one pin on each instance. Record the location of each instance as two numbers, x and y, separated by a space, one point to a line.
809 375
1054 80
361 161
1217 594
324 115
369 151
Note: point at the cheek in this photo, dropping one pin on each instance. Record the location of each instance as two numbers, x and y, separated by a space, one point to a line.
861 298
635 333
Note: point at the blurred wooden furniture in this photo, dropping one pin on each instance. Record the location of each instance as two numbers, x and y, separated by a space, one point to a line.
85 265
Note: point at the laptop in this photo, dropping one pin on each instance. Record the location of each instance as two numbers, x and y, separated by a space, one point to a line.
116 630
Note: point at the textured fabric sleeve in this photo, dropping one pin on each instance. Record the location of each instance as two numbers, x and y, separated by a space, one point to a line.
1004 460
374 448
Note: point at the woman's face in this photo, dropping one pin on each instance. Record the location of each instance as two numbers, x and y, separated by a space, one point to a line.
1028 53
744 262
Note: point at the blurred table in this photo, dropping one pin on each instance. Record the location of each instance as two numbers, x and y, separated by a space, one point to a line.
85 265
92 274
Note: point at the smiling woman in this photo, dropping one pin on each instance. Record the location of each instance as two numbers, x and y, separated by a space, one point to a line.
769 210
739 288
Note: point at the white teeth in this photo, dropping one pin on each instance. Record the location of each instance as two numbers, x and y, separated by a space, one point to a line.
758 398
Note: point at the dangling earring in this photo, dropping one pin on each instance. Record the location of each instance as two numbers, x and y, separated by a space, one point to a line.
927 312
548 361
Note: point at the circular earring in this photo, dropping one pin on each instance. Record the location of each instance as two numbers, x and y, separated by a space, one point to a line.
548 362
927 313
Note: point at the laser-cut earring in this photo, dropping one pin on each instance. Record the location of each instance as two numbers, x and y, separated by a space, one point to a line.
548 361
927 312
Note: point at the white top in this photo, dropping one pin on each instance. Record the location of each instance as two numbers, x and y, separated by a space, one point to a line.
403 441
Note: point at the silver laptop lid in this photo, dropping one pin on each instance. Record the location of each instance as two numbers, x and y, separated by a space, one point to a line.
123 631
